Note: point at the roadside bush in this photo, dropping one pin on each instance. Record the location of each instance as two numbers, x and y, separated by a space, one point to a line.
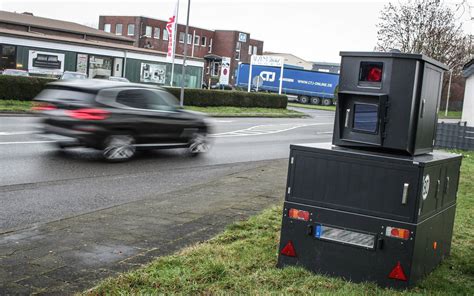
215 98
26 88
21 88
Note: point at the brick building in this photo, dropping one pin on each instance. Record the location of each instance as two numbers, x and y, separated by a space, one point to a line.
49 47
209 45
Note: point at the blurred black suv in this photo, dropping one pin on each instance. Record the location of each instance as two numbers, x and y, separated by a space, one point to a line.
118 118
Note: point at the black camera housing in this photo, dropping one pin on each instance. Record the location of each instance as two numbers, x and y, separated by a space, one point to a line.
388 102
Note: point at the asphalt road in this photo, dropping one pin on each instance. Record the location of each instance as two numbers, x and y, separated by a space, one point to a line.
39 184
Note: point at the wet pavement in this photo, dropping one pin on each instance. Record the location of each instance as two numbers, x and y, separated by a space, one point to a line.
73 254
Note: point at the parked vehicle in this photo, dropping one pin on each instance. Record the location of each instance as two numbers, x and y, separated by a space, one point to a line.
118 118
111 78
15 72
67 75
118 79
309 86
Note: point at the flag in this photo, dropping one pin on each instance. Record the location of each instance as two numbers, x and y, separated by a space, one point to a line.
171 28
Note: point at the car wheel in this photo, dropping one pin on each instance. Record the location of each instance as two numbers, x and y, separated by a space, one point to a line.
304 100
118 148
315 101
327 102
198 144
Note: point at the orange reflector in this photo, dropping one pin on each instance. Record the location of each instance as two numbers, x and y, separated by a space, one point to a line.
397 232
289 250
435 245
397 273
298 214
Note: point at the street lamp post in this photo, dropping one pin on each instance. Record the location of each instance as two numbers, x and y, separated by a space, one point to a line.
183 71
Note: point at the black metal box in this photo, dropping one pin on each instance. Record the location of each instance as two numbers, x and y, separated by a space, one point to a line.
388 101
368 216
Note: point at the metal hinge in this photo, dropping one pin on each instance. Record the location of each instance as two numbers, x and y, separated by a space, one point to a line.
289 190
292 160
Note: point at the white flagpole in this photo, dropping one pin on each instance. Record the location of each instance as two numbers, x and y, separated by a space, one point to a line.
175 31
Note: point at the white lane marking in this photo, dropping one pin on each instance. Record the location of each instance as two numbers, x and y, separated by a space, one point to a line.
29 142
222 121
17 133
252 131
264 130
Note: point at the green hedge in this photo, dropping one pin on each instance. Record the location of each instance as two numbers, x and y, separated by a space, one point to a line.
214 98
21 88
26 88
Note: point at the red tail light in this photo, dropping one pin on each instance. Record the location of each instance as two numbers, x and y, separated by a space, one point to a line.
40 106
298 214
397 232
88 114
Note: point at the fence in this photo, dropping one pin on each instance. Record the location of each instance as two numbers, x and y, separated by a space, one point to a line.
454 136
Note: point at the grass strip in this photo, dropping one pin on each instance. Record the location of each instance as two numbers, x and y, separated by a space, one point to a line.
15 106
25 106
242 260
309 106
451 115
246 112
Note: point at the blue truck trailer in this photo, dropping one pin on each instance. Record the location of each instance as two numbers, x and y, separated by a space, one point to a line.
309 86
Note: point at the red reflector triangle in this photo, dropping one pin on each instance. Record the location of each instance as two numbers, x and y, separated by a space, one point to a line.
397 273
289 250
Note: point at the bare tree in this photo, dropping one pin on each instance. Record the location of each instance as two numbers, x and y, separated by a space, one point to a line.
424 26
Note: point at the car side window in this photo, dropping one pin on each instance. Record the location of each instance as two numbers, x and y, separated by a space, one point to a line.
134 98
157 101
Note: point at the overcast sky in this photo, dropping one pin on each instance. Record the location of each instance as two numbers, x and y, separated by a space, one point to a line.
311 29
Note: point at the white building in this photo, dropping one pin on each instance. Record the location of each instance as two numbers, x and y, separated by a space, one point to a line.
468 105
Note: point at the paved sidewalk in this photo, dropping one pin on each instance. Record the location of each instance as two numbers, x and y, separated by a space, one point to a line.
73 254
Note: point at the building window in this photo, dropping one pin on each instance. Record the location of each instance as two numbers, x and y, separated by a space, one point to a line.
197 39
255 50
148 31
203 41
165 34
131 29
215 69
210 45
8 57
118 29
181 37
107 28
157 33
250 49
238 46
190 39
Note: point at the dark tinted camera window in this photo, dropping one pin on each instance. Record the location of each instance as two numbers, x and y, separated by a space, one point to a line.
366 117
371 72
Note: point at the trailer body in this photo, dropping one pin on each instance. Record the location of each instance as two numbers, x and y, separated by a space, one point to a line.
308 86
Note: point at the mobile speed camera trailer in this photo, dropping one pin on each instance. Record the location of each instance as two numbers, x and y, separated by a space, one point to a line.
379 204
